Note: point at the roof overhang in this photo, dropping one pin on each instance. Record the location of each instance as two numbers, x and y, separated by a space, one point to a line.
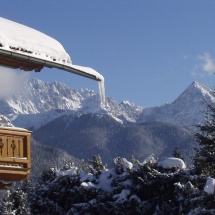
28 63
28 49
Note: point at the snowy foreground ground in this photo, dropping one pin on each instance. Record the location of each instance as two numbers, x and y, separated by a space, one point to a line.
148 187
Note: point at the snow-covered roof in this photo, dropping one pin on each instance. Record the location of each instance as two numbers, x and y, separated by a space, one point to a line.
33 49
22 39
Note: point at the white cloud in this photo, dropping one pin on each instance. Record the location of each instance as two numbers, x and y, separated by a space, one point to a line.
208 64
11 81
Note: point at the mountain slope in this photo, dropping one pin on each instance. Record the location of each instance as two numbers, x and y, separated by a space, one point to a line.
91 134
45 157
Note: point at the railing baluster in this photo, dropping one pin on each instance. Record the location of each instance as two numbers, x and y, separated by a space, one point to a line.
13 146
1 146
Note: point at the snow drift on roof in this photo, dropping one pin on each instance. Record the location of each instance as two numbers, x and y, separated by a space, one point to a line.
25 40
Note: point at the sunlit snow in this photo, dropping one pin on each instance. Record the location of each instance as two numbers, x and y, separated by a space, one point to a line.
172 162
24 39
121 197
210 186
71 171
149 159
14 128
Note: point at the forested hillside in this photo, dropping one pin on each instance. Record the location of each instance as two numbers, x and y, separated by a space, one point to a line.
92 134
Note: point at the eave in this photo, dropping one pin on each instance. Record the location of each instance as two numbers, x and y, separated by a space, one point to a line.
26 62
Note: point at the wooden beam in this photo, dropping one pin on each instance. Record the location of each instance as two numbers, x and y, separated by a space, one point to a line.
19 64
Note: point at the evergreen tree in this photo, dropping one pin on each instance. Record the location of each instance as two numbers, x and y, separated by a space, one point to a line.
21 205
204 160
177 154
97 164
7 204
147 188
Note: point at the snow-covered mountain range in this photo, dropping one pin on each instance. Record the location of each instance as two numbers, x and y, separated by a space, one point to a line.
40 102
75 122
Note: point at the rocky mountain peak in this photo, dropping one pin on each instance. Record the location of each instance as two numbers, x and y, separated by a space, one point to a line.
194 98
195 88
186 111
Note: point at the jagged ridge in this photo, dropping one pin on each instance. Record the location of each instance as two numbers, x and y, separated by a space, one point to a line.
37 102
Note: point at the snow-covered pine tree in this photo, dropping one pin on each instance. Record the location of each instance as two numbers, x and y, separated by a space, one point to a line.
148 188
177 154
15 203
204 160
97 164
7 203
21 205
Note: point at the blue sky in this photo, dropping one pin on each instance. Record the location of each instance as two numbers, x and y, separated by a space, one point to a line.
148 51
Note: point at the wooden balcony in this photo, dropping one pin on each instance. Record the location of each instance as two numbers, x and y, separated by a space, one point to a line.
15 155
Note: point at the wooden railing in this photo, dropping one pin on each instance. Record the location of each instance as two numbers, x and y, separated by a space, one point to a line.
15 154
